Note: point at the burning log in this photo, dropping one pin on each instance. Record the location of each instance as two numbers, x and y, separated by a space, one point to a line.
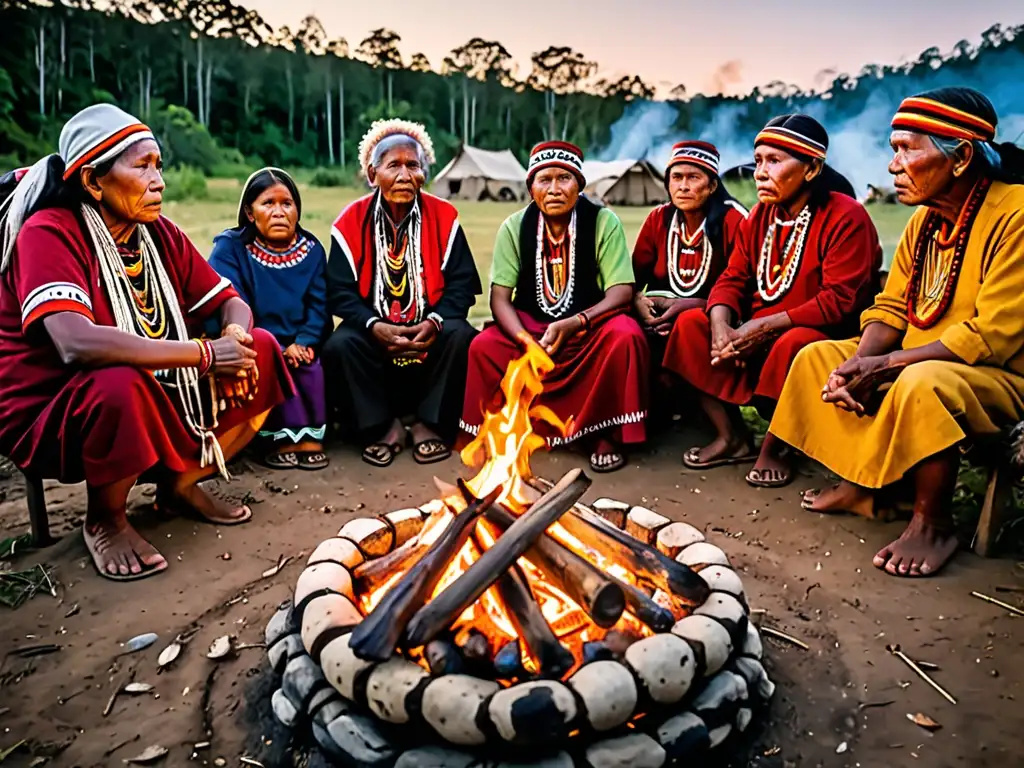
656 617
377 635
373 574
595 592
552 657
443 657
465 590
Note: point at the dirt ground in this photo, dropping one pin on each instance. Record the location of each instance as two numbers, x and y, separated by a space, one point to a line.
810 574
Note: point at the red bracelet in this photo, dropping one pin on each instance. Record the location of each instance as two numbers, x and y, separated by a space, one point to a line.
206 356
584 320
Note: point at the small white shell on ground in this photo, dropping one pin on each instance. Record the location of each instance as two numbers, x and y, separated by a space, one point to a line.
757 678
220 647
283 708
726 609
134 689
719 735
326 612
406 522
711 635
702 554
529 705
388 685
752 646
637 750
683 735
435 757
168 654
643 524
608 692
324 576
612 510
674 537
341 666
373 537
665 665
722 579
450 706
337 551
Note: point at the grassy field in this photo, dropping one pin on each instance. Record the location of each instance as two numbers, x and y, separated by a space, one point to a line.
202 219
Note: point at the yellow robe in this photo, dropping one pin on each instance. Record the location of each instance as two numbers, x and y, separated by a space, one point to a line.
933 405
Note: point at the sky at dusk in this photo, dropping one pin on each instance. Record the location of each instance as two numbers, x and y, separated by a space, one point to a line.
711 46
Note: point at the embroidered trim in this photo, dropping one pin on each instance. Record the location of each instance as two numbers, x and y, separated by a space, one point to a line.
220 286
316 434
635 417
59 291
451 244
343 244
274 259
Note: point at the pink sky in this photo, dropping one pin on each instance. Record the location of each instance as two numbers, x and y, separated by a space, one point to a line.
708 46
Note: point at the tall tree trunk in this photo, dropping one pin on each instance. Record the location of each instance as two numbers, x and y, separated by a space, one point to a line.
63 65
41 66
551 116
207 90
508 123
184 78
330 127
451 114
391 76
149 90
472 121
565 121
341 120
142 95
291 100
465 110
199 81
92 56
245 99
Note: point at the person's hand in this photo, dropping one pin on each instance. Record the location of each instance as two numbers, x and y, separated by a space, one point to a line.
297 355
423 334
722 337
754 334
854 384
236 331
560 332
392 337
645 309
231 356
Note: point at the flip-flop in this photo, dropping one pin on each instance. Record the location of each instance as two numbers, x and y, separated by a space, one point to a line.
390 451
145 573
786 479
312 460
186 510
275 460
690 460
430 458
605 468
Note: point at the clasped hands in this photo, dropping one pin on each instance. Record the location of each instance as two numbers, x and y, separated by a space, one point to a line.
405 340
728 343
658 313
853 385
233 354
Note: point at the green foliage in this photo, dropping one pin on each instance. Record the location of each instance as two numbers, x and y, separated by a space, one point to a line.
184 183
330 177
185 142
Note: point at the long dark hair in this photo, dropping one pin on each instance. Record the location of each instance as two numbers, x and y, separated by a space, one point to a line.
717 205
256 185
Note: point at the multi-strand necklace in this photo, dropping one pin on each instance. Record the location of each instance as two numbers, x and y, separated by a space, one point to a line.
937 261
775 279
147 304
401 257
556 277
686 281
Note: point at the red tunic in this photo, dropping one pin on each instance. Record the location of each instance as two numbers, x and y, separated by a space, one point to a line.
101 425
836 279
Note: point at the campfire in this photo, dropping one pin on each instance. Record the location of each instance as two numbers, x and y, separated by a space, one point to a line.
507 611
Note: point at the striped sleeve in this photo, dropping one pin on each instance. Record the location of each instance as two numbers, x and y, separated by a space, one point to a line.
50 274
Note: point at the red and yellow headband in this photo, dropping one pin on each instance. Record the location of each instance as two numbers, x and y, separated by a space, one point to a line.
790 141
938 119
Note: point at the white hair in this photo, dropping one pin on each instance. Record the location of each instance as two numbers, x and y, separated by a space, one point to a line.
385 145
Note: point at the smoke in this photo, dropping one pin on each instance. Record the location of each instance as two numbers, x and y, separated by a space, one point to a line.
726 76
858 135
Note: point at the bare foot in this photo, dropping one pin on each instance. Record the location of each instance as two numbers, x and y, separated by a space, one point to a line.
842 497
119 551
607 457
719 451
922 550
212 507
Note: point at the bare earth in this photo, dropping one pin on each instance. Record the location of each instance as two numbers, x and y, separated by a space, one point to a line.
811 574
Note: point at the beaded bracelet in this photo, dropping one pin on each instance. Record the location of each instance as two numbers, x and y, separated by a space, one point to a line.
206 356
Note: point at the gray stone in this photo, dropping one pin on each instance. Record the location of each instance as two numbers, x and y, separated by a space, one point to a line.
683 736
284 710
561 760
281 623
743 718
757 678
719 735
434 757
361 740
302 678
752 646
720 699
327 705
287 647
637 750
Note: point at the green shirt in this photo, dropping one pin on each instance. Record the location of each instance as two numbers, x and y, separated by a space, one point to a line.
614 262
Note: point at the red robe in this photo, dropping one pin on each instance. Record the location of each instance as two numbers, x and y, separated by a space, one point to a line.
104 424
837 278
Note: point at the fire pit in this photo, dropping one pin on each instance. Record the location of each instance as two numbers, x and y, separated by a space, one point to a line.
505 620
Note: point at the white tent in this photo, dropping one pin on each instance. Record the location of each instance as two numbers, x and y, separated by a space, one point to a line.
481 174
624 182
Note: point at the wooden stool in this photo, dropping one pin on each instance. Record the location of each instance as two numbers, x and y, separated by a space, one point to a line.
38 520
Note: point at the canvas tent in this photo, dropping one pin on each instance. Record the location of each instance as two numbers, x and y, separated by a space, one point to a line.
624 182
481 174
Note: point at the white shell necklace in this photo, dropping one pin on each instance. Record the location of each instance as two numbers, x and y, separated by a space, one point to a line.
686 282
774 281
556 308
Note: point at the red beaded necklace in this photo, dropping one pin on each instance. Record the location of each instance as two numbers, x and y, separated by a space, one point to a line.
931 233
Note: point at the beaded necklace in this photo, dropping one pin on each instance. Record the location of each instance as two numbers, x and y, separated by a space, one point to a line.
556 277
148 308
405 259
935 272
686 281
280 259
775 279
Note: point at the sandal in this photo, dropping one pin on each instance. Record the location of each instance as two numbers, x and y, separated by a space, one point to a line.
769 478
381 454
186 510
691 459
102 543
275 460
613 466
438 451
312 460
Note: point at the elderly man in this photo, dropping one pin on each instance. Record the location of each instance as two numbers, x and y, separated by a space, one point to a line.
562 277
402 279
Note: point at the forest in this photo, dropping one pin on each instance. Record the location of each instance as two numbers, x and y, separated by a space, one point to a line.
225 91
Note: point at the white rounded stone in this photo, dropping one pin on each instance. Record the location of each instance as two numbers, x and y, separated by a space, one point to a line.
361 740
702 554
281 623
406 522
719 735
752 643
435 757
676 536
287 647
665 665
712 636
326 612
342 667
727 609
388 686
450 706
721 578
757 678
324 576
545 707
608 692
284 710
683 735
743 719
335 550
724 690
637 750
373 537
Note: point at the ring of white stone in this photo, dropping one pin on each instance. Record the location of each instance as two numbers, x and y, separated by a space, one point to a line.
672 697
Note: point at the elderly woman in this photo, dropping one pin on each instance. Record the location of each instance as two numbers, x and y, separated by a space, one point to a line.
278 268
100 379
941 355
562 278
804 264
402 279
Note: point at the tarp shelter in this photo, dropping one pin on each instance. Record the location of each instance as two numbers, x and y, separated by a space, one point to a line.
481 174
624 182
